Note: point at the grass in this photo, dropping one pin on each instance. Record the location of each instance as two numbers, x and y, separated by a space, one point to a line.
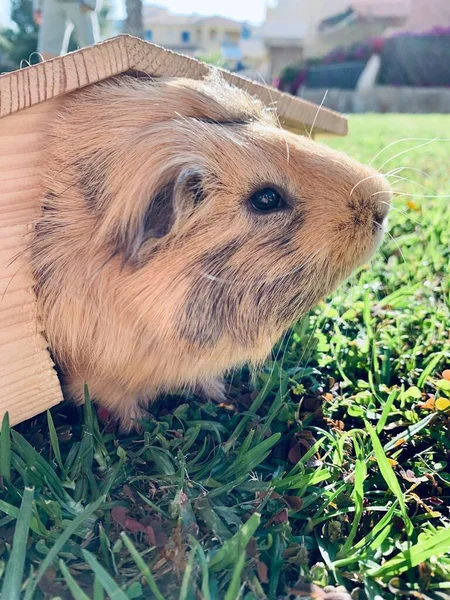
332 469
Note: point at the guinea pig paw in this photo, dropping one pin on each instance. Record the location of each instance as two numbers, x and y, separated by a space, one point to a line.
129 422
212 389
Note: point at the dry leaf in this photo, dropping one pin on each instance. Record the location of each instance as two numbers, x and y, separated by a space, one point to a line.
442 403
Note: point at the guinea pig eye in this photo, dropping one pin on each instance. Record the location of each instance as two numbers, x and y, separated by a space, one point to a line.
266 200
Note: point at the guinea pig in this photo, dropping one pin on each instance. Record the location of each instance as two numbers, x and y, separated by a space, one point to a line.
182 232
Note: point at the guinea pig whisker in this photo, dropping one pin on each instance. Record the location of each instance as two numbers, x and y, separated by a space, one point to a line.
405 193
407 215
408 150
411 139
400 169
317 113
398 178
398 248
361 181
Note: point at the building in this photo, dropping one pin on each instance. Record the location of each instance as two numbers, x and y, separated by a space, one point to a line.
303 29
361 20
233 44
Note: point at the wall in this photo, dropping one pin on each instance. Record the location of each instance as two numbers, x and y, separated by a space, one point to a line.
355 32
281 56
383 99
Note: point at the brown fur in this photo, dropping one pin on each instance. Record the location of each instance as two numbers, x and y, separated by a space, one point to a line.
153 273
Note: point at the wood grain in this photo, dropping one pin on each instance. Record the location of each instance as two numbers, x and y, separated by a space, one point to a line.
28 381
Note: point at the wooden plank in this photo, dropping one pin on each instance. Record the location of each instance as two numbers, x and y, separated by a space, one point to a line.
50 79
28 381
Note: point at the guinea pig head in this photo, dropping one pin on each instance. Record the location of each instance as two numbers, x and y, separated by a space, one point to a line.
183 230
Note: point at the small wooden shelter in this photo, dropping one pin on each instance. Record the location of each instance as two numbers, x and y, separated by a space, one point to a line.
28 100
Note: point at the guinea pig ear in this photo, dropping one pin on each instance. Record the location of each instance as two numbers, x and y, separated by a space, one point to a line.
189 189
167 209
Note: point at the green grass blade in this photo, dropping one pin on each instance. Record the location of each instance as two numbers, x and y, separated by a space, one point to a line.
98 591
54 441
142 566
62 539
203 566
5 449
431 366
299 482
184 590
14 569
357 496
73 586
254 407
389 476
436 545
410 432
107 582
229 551
235 583
248 461
386 411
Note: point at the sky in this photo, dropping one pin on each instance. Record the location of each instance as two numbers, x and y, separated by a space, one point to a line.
241 10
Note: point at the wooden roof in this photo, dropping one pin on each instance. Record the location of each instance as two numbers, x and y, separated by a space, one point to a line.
27 87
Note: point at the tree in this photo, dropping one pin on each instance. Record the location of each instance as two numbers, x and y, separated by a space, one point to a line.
19 43
134 24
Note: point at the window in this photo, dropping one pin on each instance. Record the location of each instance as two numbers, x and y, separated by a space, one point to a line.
246 32
185 36
148 35
213 34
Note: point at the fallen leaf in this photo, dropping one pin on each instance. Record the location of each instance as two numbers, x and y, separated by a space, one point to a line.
442 403
262 572
427 405
119 514
295 453
295 502
280 517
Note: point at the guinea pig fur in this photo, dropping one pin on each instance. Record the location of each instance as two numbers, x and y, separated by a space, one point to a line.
182 232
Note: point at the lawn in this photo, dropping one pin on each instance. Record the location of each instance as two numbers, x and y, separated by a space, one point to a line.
331 466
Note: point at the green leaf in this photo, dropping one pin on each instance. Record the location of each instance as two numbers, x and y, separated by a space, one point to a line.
54 441
57 546
410 432
12 582
203 566
5 449
235 583
389 476
230 550
73 586
185 584
301 481
431 366
413 392
357 496
387 409
435 545
142 566
251 459
108 583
